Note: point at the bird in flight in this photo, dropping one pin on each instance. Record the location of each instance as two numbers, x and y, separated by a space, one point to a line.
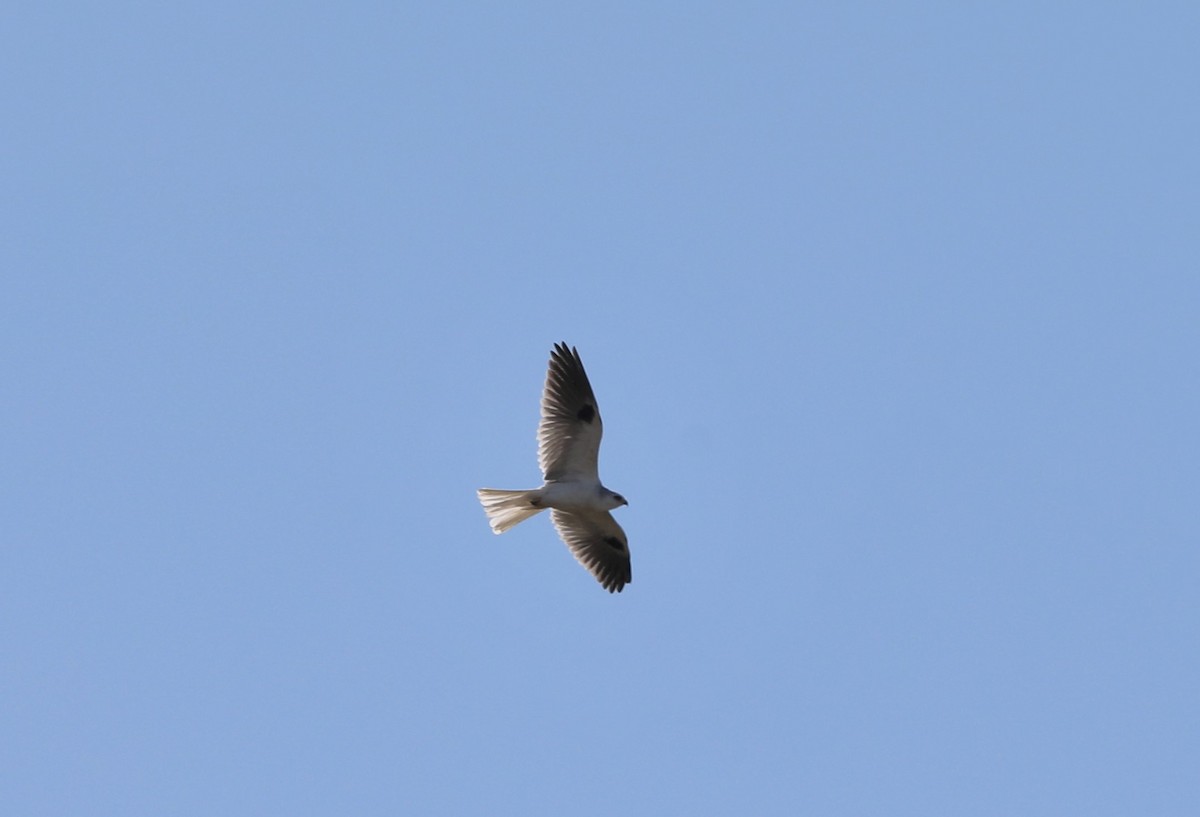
568 449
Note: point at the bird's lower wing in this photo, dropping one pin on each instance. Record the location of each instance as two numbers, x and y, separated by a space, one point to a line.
599 544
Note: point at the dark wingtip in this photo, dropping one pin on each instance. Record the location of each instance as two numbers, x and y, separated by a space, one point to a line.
564 349
564 354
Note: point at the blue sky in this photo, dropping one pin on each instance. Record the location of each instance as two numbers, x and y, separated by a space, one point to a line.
891 310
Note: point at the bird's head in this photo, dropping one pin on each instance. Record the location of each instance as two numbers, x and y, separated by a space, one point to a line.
614 499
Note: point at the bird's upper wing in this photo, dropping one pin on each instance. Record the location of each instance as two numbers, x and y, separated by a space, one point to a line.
599 544
570 430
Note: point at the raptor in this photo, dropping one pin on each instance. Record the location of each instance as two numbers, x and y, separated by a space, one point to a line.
568 452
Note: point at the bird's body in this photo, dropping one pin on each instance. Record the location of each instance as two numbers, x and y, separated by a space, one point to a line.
568 451
579 497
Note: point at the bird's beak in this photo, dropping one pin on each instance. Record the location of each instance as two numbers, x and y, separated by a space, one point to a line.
625 502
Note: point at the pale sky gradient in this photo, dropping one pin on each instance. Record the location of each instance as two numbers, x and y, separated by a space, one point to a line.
892 310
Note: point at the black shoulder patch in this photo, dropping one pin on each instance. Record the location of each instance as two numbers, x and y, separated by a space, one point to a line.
614 543
587 413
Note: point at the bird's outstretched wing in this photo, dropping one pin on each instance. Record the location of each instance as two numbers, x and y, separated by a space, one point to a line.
570 430
599 544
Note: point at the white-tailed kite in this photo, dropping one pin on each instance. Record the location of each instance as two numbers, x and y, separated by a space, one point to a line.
568 448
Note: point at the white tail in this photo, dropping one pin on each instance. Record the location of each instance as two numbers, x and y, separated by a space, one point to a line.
507 509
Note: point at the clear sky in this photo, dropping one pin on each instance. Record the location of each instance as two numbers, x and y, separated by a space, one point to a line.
892 311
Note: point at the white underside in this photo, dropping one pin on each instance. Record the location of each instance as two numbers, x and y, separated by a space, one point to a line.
573 497
507 509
